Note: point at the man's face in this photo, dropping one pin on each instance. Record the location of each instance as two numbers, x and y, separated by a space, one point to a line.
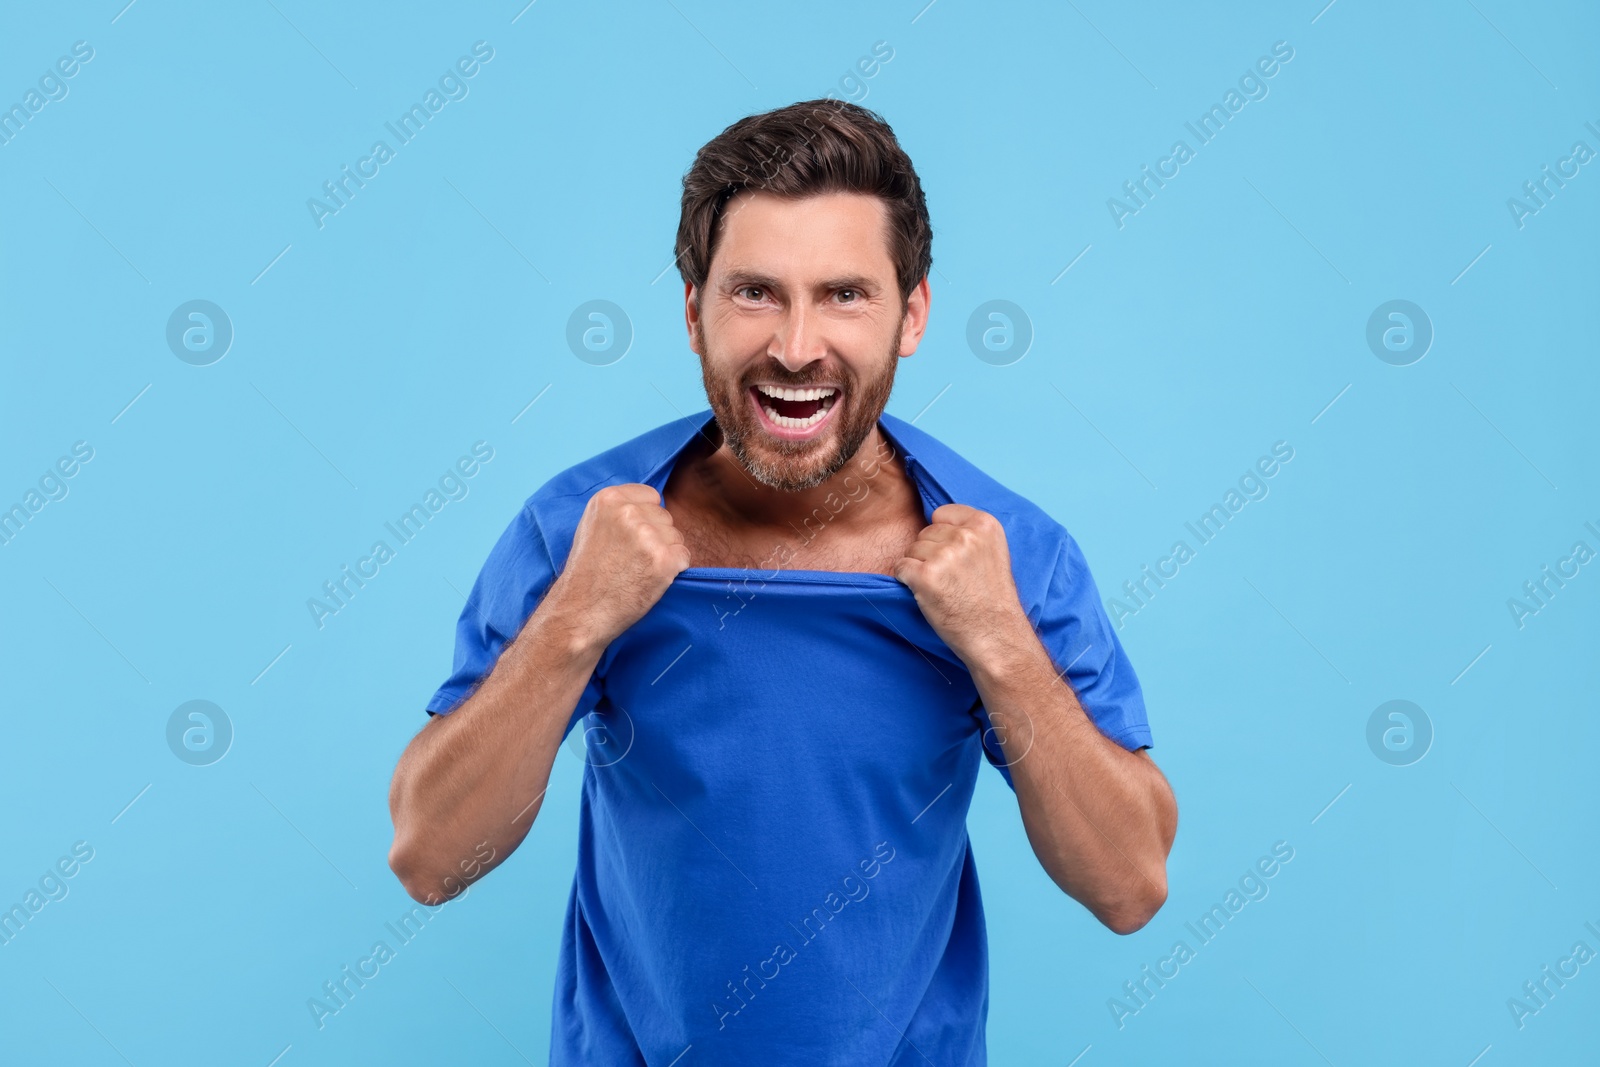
799 328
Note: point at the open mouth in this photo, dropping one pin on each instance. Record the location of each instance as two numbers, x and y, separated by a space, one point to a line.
797 411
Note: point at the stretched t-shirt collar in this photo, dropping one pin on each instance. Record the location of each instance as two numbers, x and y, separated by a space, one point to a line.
928 486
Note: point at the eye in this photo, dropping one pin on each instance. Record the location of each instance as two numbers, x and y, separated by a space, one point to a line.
745 290
851 293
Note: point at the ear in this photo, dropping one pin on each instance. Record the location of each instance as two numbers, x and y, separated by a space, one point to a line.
915 322
691 316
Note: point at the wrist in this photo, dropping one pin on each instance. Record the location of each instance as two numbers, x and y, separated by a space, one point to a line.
571 624
1004 650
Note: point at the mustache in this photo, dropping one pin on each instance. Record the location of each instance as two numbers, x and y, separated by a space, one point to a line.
790 381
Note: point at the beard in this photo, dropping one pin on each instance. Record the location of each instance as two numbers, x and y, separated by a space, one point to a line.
796 465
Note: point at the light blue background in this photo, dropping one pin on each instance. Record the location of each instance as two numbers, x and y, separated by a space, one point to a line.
1223 317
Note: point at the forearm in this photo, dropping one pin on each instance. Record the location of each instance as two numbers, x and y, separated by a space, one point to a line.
1100 819
478 774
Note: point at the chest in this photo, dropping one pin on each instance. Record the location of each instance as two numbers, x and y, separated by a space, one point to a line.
830 687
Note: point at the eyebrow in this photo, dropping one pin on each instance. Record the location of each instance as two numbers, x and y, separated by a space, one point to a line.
745 276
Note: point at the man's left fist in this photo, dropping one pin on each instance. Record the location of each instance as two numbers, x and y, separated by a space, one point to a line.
959 569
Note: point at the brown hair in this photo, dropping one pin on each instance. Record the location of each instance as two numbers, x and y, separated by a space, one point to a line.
815 146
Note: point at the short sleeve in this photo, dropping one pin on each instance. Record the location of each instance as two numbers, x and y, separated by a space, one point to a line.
513 580
1074 628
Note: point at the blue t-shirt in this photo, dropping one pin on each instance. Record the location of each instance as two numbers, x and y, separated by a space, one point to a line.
773 864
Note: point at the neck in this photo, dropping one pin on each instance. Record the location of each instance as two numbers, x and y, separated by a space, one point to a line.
858 493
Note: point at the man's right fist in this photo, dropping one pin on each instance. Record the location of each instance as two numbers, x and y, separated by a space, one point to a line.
625 553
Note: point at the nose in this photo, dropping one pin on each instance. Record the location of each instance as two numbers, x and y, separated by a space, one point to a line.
797 341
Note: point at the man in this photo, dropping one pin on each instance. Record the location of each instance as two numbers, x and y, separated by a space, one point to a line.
792 623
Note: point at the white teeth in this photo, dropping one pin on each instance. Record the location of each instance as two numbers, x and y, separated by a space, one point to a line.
799 424
778 393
